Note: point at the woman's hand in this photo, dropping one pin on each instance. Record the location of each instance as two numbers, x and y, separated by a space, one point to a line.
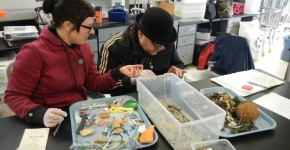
53 116
177 71
131 70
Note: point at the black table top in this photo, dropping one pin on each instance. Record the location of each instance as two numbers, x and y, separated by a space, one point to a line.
5 47
188 21
12 128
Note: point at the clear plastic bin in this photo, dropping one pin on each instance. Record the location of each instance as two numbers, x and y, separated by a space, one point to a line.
190 7
222 144
190 14
190 1
205 118
190 10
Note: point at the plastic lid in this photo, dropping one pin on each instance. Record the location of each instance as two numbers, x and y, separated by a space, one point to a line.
130 104
2 13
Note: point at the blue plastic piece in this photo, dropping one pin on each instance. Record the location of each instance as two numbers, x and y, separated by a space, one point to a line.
263 122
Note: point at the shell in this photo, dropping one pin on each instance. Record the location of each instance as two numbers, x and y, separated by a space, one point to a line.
232 124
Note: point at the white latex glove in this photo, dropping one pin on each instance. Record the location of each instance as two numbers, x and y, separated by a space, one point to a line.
144 73
53 116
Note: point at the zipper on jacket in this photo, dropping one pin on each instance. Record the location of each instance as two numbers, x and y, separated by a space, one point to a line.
151 67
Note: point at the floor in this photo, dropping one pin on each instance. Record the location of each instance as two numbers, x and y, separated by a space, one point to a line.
270 63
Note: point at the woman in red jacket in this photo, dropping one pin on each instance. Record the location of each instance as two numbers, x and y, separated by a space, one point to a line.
55 71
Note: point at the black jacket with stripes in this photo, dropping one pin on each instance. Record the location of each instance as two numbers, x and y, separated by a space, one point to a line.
118 50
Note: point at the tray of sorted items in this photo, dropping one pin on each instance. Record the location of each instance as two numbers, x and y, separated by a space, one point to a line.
242 116
110 123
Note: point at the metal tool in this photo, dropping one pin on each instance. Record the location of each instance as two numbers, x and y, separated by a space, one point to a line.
82 123
56 130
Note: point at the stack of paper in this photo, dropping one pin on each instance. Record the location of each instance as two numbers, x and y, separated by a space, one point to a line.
257 80
35 136
275 103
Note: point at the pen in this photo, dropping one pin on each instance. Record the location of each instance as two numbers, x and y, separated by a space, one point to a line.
256 84
56 129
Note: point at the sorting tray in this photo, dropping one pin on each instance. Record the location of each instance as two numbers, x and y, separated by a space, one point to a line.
99 129
263 122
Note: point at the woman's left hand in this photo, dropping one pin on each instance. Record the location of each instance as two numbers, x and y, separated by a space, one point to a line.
131 70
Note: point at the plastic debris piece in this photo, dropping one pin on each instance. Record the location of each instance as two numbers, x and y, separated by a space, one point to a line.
147 135
120 109
102 122
141 128
133 144
133 121
123 121
130 123
104 115
86 132
117 125
97 140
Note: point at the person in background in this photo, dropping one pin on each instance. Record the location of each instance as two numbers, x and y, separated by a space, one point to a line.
149 41
55 71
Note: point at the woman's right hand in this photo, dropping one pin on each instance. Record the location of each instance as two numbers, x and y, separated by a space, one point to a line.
132 70
53 116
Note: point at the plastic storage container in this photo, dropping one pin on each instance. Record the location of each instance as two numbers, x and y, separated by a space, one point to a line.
190 10
198 15
222 144
205 118
252 6
118 15
190 7
190 1
285 55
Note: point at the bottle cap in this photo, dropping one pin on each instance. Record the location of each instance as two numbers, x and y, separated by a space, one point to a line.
98 8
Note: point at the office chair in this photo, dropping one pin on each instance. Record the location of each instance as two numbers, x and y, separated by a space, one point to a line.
5 111
202 60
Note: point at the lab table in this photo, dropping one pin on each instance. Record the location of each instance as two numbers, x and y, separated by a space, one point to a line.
12 128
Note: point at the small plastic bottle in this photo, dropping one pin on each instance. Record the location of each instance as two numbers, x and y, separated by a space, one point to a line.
98 14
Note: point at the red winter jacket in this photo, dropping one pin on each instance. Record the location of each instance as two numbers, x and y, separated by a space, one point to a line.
49 73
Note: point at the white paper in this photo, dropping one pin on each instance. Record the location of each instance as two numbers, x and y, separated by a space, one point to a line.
235 81
38 136
275 103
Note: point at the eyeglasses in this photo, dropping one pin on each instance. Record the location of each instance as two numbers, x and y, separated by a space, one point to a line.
87 27
156 46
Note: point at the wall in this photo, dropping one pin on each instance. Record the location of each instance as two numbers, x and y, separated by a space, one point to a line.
18 12
28 12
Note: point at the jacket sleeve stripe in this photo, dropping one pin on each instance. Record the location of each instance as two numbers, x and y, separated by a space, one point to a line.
105 52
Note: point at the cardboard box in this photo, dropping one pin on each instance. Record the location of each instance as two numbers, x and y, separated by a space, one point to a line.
169 7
